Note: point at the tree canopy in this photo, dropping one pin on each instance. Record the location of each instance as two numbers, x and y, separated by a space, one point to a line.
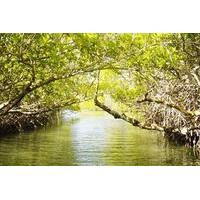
152 80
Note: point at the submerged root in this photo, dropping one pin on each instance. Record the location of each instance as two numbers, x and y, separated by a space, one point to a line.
190 139
176 137
16 122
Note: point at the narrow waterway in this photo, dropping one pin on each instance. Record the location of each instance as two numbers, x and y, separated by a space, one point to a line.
92 138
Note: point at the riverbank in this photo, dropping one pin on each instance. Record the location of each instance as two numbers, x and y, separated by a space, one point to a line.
188 139
18 122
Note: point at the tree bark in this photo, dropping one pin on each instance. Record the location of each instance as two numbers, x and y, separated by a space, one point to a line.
122 116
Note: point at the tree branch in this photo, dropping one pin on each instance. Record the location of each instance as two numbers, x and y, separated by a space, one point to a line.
13 102
170 105
48 109
130 120
196 75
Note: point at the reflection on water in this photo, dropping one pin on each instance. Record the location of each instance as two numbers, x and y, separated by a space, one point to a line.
94 138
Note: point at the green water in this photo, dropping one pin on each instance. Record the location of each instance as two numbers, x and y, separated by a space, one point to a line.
92 138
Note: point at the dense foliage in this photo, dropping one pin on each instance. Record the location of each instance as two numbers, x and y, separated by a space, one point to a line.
149 80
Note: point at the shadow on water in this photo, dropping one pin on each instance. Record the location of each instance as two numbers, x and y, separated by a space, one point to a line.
93 138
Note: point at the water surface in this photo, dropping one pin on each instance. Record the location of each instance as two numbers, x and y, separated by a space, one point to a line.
92 138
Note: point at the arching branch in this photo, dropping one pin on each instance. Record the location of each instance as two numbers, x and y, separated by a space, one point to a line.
170 105
122 116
